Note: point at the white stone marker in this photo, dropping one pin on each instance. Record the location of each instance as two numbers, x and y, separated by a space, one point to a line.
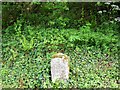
59 67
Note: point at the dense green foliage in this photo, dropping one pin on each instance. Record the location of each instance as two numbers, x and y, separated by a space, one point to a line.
32 36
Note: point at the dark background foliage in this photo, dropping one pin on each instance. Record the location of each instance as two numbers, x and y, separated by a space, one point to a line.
54 14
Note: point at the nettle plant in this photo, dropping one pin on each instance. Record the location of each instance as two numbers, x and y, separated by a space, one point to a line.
21 31
27 44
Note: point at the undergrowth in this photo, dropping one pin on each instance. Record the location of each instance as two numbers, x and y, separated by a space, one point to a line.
27 54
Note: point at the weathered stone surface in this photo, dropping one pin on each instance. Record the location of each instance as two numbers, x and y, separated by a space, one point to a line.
59 68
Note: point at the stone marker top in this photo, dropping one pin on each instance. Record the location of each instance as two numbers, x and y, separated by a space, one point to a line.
59 67
62 56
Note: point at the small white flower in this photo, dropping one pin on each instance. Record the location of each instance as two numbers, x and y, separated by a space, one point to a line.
99 12
108 3
114 6
104 11
117 8
117 19
111 21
